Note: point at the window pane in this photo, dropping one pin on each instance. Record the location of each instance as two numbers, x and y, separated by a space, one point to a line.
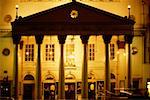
49 52
29 52
91 52
112 51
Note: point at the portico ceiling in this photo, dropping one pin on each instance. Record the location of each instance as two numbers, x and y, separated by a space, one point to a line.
73 18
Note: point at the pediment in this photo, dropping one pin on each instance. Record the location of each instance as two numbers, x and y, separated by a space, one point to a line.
85 14
61 17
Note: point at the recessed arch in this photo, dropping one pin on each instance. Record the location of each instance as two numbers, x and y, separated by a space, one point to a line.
112 76
91 75
28 77
49 77
70 76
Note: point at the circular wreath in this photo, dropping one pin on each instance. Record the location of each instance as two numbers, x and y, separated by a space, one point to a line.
6 51
74 14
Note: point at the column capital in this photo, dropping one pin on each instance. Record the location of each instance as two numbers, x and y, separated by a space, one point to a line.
107 38
39 39
84 38
16 38
62 39
128 38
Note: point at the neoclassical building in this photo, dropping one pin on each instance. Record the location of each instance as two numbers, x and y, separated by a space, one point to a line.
73 49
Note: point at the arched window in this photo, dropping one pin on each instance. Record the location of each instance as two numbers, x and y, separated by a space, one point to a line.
49 77
70 76
91 75
112 76
28 77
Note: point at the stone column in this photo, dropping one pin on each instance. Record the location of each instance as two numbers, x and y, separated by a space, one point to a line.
61 84
128 39
39 40
84 95
107 39
16 41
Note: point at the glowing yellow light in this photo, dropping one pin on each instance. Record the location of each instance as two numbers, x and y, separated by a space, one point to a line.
52 87
118 52
92 86
27 53
50 53
129 6
17 6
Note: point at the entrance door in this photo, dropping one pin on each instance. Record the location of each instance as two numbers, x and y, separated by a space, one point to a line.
5 89
136 84
49 91
91 90
28 91
113 87
70 91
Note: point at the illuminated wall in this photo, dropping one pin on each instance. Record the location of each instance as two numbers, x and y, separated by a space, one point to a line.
119 7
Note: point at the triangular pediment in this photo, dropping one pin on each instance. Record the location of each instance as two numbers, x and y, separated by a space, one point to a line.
72 16
85 14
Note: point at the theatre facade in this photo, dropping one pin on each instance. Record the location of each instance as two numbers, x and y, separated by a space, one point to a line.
71 51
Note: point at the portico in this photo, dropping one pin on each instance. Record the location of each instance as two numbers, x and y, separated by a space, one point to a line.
71 19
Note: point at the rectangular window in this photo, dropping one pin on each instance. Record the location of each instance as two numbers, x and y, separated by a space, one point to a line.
112 51
70 57
91 52
29 52
49 52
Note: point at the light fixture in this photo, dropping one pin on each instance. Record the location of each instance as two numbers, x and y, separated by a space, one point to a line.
134 50
17 7
129 7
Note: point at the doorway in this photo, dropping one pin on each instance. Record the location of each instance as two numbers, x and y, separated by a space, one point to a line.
49 91
70 91
91 90
113 85
28 91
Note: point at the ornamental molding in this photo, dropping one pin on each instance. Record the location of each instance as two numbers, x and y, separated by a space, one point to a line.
5 30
